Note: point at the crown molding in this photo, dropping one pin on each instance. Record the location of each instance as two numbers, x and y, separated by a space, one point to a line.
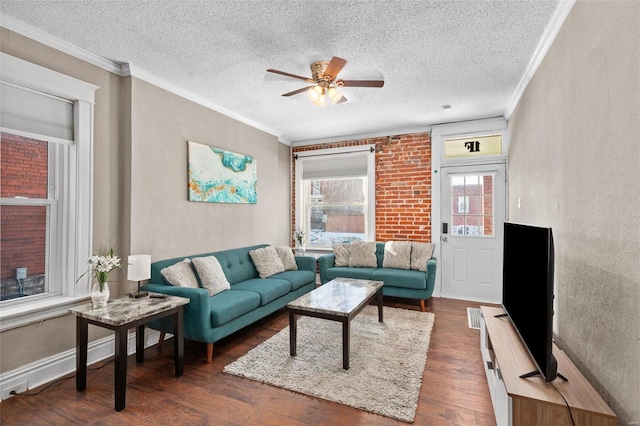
547 39
59 44
358 136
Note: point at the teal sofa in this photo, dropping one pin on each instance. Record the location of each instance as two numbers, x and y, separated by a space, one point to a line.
410 284
208 319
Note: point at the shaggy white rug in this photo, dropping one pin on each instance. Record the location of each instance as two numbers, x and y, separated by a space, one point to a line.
386 364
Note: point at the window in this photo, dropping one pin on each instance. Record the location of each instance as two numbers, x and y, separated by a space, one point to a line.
45 196
335 196
472 205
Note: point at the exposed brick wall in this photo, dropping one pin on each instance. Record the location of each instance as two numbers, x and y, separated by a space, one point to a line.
24 168
403 185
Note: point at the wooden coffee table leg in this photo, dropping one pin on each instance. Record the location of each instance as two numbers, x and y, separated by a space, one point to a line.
293 333
345 343
379 297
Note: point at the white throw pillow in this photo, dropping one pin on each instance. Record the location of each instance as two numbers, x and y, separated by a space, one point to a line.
341 252
288 259
211 275
362 254
267 261
420 254
397 254
180 274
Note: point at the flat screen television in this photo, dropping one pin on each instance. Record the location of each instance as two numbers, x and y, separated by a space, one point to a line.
527 292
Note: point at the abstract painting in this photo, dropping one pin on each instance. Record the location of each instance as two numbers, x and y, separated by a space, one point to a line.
220 176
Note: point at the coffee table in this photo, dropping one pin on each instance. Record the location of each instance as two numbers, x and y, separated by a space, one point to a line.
338 300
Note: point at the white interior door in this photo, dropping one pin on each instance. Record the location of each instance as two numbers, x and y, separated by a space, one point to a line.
473 213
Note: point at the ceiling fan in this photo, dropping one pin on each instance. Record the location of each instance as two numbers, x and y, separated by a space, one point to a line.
324 79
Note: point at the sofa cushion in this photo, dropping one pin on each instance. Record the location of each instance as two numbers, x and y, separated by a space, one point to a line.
298 278
397 254
210 273
341 252
230 304
401 278
347 272
286 256
420 254
180 274
267 261
362 254
268 289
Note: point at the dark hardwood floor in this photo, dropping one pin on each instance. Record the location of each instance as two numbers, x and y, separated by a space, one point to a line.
454 389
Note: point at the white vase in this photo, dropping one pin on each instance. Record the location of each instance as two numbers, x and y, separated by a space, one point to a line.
99 298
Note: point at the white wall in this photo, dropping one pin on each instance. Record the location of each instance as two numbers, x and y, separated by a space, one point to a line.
574 162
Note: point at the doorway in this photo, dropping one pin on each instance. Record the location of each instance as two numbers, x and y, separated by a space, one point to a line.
472 214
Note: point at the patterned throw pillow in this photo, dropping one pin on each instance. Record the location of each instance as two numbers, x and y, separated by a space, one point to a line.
362 254
180 274
341 252
397 254
288 259
267 261
211 275
420 254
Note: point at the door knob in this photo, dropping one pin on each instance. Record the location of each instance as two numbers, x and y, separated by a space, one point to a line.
445 239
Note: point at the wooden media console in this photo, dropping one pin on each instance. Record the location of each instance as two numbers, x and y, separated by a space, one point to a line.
532 401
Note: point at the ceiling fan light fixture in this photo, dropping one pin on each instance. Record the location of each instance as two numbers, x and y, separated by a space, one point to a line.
334 95
315 93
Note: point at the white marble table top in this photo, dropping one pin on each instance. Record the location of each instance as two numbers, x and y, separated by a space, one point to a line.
126 309
340 296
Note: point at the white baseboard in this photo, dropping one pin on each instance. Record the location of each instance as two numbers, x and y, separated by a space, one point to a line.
45 370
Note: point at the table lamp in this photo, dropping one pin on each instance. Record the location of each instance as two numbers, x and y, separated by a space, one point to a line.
139 269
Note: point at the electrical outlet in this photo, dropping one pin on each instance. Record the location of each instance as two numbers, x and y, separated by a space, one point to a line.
17 387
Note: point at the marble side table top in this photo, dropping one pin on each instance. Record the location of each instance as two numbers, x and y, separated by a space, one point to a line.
126 309
340 296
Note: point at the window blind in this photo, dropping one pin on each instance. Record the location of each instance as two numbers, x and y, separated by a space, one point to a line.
335 166
35 114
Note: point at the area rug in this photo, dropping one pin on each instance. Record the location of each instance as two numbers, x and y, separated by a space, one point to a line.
386 364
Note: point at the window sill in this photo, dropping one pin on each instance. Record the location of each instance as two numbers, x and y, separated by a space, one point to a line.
35 311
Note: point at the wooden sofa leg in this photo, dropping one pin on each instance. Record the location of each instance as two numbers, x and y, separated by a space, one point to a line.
209 353
160 340
423 305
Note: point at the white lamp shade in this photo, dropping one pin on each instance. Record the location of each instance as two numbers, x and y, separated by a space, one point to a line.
139 267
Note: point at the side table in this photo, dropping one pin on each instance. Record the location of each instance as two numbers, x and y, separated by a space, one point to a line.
120 315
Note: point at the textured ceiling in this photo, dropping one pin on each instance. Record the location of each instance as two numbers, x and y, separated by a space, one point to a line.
467 54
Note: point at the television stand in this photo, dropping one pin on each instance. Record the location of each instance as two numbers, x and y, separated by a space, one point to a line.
532 401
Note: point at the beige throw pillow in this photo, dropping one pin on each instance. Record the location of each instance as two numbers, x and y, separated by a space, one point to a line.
267 261
341 252
362 254
288 259
397 254
211 275
180 274
420 254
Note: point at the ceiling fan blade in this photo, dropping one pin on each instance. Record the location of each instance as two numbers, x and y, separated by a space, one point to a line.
334 67
360 83
286 74
295 92
342 99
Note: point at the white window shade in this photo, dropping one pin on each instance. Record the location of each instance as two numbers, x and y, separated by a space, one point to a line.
335 166
36 114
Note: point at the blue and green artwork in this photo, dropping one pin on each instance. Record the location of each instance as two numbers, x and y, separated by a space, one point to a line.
220 176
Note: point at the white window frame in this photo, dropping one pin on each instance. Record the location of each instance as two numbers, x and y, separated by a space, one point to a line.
71 239
300 213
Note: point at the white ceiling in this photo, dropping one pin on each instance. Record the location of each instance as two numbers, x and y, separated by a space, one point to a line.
470 54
